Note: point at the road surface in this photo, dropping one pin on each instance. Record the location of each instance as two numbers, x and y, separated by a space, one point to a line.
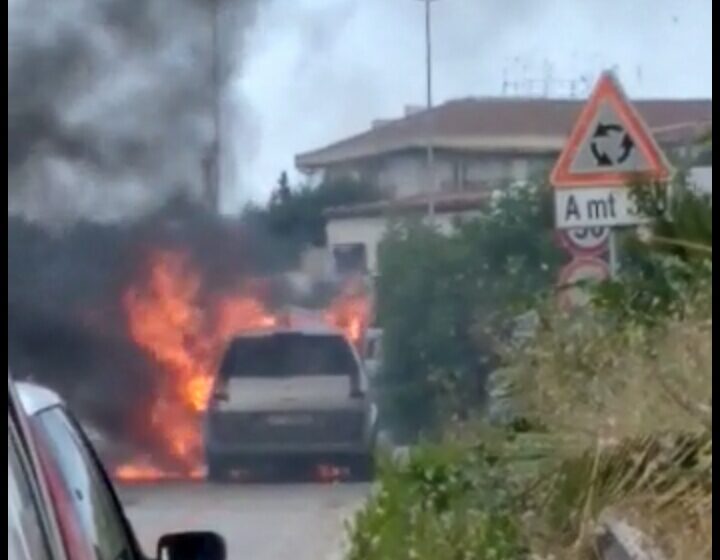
260 522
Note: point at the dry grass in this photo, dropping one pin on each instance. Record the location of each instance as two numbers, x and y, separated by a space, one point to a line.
632 407
592 381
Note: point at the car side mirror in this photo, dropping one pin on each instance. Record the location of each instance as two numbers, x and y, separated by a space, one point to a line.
192 546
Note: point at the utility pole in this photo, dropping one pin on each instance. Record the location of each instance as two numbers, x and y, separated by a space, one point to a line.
432 177
213 160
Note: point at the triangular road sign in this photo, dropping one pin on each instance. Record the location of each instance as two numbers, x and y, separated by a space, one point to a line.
610 146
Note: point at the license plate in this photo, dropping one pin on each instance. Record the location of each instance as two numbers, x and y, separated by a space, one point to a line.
289 420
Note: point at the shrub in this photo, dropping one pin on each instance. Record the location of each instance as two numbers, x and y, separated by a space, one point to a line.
446 502
671 263
441 298
618 420
630 409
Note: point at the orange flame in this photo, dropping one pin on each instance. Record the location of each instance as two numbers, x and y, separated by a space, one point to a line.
139 472
241 314
184 341
350 312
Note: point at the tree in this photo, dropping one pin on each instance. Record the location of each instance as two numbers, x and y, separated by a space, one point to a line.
283 193
443 299
671 261
298 215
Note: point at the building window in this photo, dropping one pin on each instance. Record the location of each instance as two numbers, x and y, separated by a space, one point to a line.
350 259
459 175
519 169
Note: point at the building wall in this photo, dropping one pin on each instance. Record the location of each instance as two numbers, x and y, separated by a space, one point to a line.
701 179
472 172
370 231
404 175
357 231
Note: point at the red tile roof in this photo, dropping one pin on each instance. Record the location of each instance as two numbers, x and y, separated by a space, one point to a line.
496 125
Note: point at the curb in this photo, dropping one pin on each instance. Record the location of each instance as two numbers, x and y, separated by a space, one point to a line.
618 540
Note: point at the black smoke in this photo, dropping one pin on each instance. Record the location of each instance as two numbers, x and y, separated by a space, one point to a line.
67 327
110 102
110 116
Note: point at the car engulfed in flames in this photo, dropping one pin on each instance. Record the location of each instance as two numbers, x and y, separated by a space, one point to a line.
183 332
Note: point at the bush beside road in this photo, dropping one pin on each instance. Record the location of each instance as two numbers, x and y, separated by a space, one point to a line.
605 429
593 442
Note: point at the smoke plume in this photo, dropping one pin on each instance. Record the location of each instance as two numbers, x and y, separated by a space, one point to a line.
68 324
110 102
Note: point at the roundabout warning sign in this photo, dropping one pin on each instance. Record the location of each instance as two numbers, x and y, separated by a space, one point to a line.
610 145
610 148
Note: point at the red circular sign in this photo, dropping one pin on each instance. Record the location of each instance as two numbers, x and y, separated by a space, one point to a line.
586 242
572 292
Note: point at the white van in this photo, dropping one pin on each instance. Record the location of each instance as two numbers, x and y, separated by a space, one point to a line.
290 399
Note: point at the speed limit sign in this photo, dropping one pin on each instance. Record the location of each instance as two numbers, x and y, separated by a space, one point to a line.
589 242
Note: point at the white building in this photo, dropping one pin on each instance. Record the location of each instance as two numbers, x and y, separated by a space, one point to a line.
480 145
354 232
701 179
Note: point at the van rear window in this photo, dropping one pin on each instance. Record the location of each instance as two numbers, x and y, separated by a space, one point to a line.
289 355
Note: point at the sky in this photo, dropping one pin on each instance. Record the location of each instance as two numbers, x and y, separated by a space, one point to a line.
317 71
110 101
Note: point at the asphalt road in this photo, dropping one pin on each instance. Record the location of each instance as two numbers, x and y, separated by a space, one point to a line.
259 522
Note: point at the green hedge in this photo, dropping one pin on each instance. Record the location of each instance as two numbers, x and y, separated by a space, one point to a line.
444 503
442 298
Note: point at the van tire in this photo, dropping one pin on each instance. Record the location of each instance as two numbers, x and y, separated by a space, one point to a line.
362 468
217 471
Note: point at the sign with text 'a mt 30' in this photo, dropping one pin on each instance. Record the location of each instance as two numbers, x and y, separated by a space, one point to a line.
597 207
609 149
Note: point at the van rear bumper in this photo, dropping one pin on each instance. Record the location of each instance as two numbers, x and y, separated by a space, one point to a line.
354 462
241 451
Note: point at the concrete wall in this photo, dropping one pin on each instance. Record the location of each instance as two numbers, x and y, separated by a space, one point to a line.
370 231
358 231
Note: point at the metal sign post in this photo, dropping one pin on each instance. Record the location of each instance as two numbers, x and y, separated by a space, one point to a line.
614 256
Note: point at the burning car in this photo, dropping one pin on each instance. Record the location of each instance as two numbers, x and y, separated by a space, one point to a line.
290 398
